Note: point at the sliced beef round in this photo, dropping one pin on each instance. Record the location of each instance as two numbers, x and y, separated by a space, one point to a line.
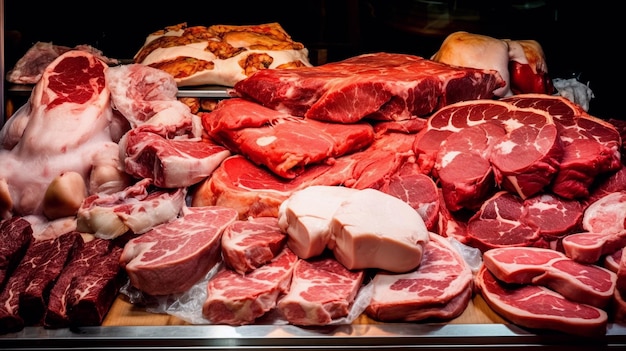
507 220
249 244
537 307
378 85
471 144
321 290
591 146
439 289
173 256
236 299
591 247
584 283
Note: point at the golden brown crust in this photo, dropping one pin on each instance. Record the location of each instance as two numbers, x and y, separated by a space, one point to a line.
254 62
182 67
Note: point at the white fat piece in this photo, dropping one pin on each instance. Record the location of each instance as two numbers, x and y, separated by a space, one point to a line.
306 215
372 229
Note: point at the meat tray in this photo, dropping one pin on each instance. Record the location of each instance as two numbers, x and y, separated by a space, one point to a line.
130 327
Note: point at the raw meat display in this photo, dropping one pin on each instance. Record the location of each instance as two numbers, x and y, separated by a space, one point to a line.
591 146
87 285
529 134
236 299
173 256
137 209
22 298
70 100
537 307
584 283
358 188
16 235
321 290
30 67
249 244
387 86
171 163
507 220
283 143
439 289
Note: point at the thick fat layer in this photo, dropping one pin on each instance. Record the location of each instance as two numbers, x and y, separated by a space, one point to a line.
364 237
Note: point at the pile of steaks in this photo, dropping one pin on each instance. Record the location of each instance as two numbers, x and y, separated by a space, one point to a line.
531 181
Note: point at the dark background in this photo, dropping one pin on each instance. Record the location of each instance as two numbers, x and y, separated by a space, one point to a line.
582 39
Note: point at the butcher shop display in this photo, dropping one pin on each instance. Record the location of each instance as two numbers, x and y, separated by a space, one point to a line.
386 186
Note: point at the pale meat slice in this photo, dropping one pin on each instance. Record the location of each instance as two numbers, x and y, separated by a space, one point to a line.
537 307
584 283
236 299
173 256
322 290
607 214
138 208
371 229
440 288
306 217
249 244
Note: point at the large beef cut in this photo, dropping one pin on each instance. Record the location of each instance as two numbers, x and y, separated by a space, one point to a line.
283 143
23 299
506 220
584 283
236 299
249 244
537 307
171 163
256 191
321 290
522 150
591 146
440 288
63 127
383 86
16 235
173 256
87 285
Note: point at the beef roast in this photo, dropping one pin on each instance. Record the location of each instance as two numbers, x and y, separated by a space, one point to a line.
381 86
173 256
281 142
